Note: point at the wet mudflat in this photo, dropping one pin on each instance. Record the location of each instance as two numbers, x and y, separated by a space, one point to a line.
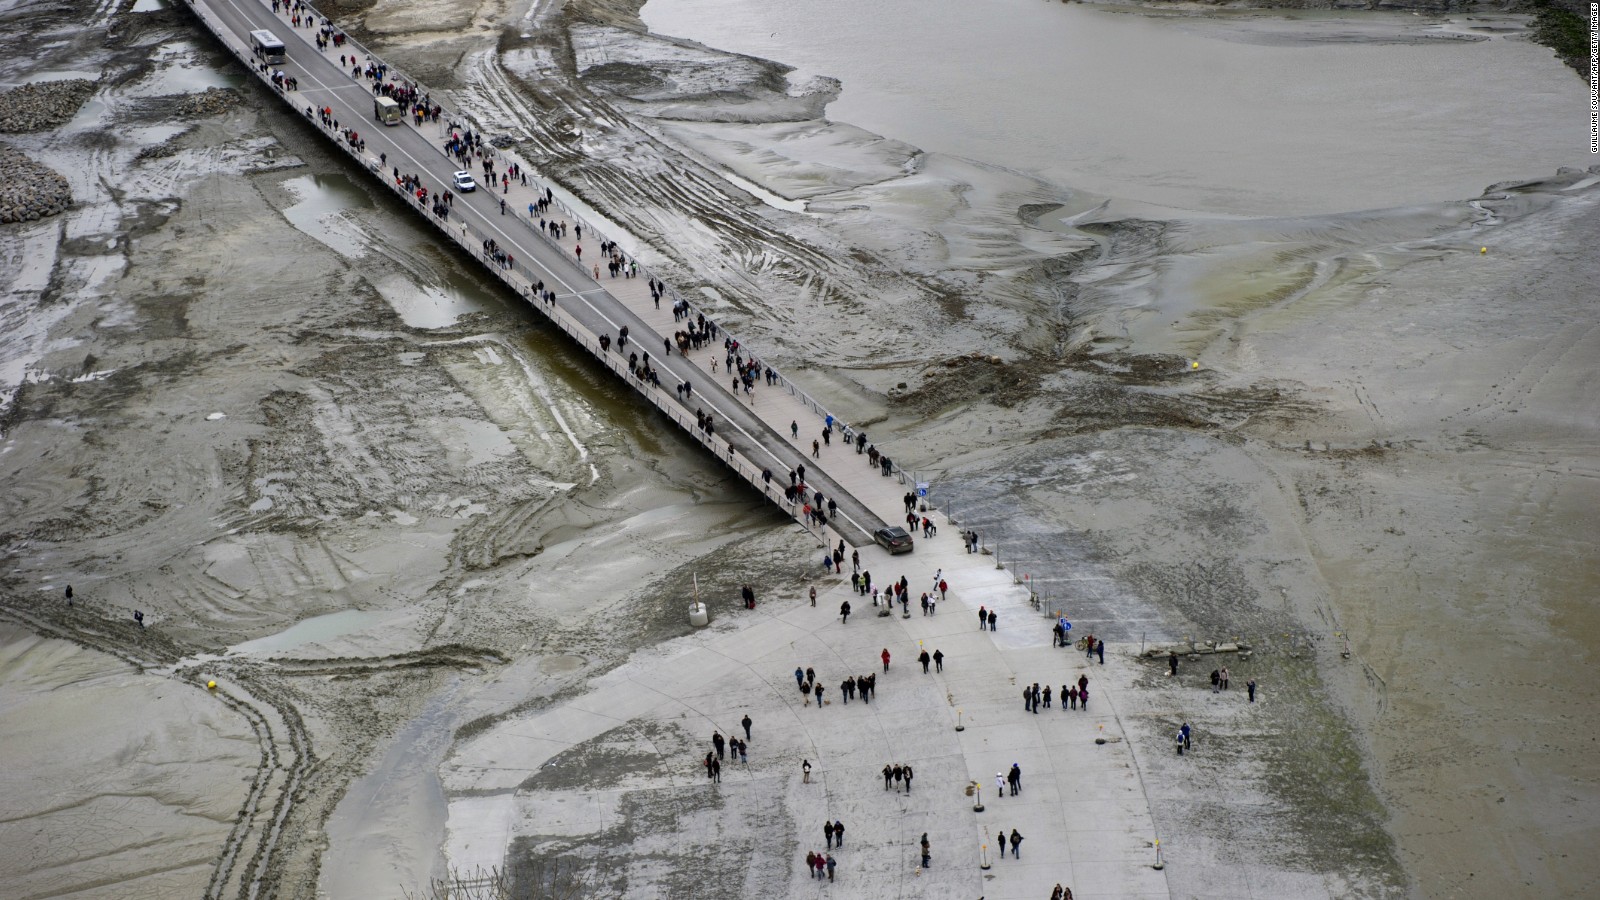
426 513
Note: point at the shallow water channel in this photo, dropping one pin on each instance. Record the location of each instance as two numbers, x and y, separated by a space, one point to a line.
1307 112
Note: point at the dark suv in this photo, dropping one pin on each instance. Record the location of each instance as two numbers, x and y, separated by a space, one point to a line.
893 539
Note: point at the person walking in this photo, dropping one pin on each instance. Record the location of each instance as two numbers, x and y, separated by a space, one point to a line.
1027 699
1224 677
924 658
1172 663
1216 680
927 858
1185 731
1072 695
844 613
746 723
999 784
716 771
1015 777
1047 696
938 661
1083 698
718 742
983 617
888 774
1016 844
993 617
1251 687
831 863
886 659
821 863
943 586
827 833
1178 739
813 596
799 676
819 696
811 863
838 834
905 771
805 771
1100 651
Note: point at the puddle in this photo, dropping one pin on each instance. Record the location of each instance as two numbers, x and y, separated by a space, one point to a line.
425 296
54 75
318 628
184 79
389 827
88 117
319 212
562 664
762 194
436 305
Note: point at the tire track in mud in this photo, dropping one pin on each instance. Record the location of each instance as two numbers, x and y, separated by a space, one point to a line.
262 855
665 193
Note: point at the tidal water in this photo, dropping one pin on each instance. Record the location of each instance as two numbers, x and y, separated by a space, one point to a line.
1246 115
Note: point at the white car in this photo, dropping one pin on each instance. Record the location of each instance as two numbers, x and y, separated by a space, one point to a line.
464 182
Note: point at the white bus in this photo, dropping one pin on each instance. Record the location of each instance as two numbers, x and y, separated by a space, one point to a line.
268 47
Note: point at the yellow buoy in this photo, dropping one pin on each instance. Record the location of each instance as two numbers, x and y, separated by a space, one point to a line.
1194 365
1482 250
211 685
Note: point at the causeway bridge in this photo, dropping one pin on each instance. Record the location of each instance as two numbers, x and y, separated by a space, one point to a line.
751 435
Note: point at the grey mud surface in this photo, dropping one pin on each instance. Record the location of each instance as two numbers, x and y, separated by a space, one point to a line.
1390 440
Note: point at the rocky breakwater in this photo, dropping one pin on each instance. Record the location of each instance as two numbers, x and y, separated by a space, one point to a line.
29 190
43 105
